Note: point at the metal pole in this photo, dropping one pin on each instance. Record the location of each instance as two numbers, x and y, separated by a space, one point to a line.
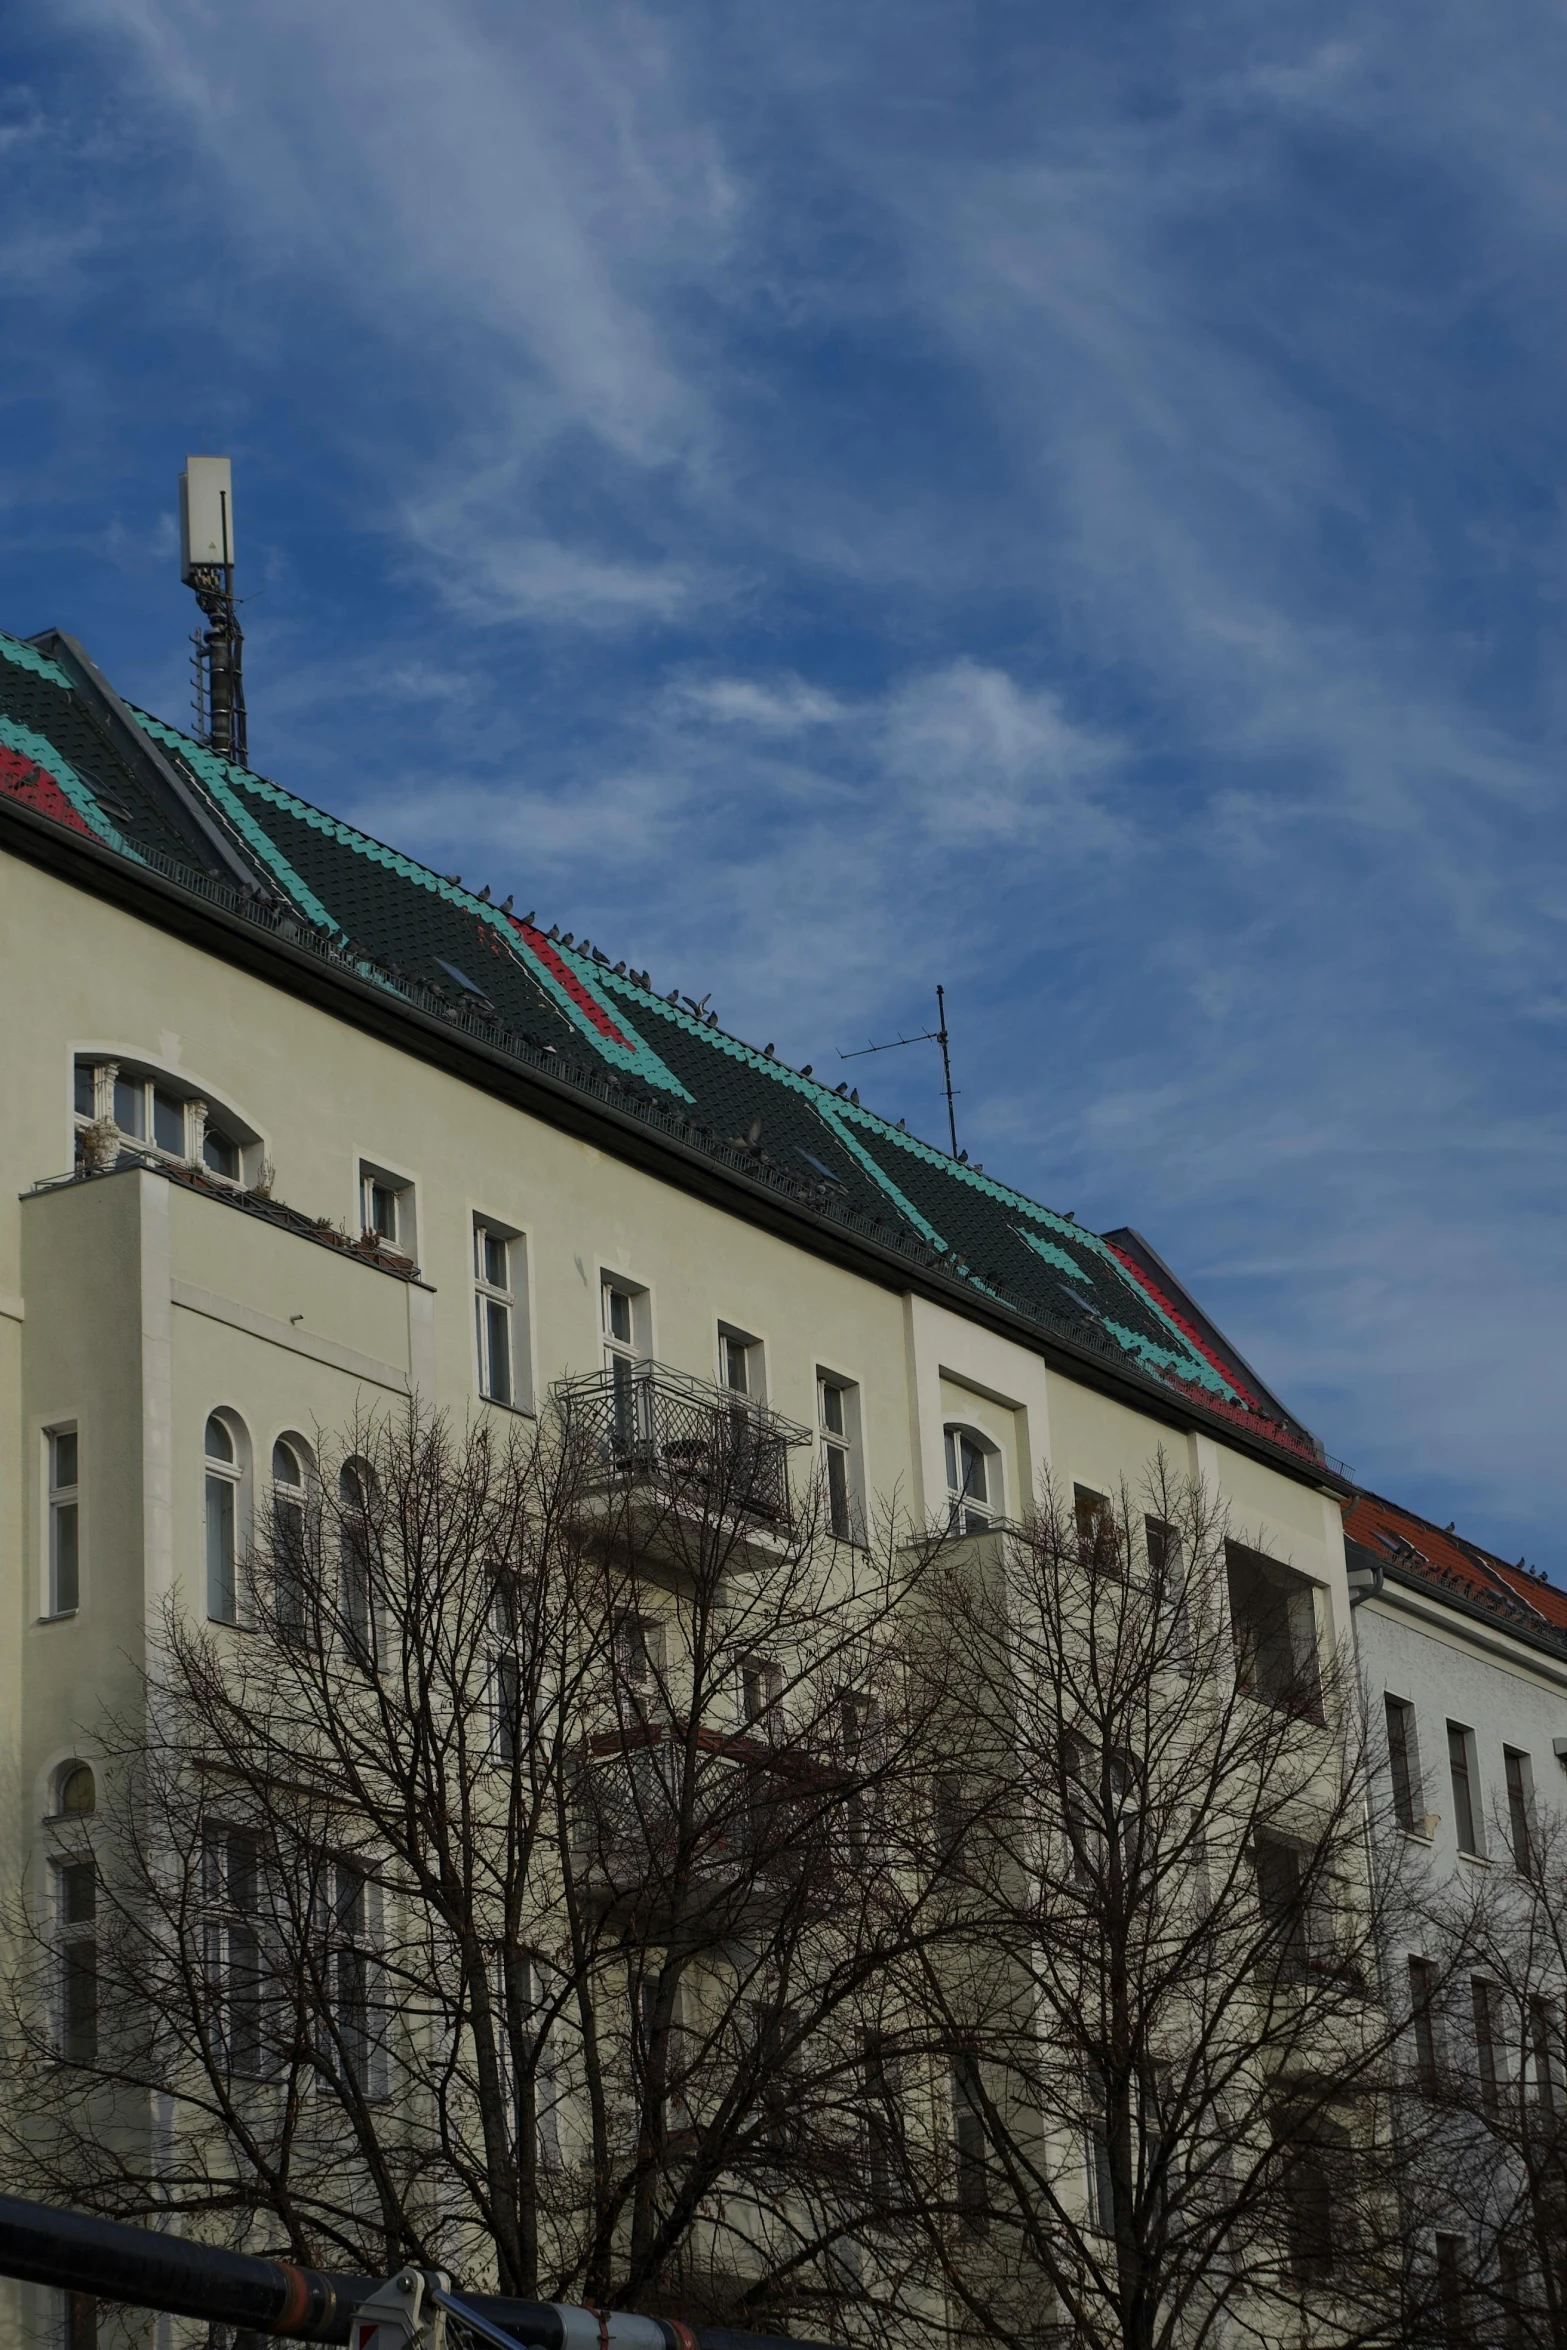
946 1065
103 2260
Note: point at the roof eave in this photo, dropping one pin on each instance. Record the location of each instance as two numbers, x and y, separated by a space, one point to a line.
184 913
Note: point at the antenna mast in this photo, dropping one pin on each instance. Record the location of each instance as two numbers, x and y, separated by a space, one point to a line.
936 1035
207 568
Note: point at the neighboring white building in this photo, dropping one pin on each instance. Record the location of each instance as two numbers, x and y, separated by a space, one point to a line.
1467 1656
1465 1660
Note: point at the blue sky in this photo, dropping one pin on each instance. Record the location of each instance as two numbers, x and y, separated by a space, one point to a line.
825 500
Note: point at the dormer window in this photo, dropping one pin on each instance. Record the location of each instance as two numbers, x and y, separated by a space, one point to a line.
159 1117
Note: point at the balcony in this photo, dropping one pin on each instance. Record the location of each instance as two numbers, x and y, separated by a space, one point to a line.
751 1824
684 1451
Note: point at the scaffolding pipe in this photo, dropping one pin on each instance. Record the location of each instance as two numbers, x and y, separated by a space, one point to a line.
147 2269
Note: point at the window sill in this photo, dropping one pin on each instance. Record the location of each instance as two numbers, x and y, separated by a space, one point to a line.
63 1615
1418 1836
1476 1860
518 1411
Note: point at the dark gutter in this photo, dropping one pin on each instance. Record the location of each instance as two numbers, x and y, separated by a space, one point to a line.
1545 1637
185 913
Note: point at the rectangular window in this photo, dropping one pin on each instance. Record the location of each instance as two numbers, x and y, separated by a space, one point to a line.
861 1730
1316 2201
1273 1619
1542 2053
65 1564
354 1977
386 1207
79 2322
1281 1897
971 2169
1452 2316
1097 1547
639 1652
1483 2000
1466 1809
168 1122
761 1687
222 1596
1403 1763
877 2120
506 1688
76 1910
498 1268
1101 2177
626 1323
838 1405
775 2033
1519 1791
740 1363
130 1106
231 1860
1422 2021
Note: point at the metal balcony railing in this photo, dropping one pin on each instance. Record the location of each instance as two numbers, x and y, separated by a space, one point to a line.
701 1444
753 1810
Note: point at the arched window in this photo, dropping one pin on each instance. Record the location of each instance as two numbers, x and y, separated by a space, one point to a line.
157 1115
973 1480
291 1466
356 1497
76 1790
224 1466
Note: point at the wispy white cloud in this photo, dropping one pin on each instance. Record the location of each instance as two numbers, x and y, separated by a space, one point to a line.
783 707
849 501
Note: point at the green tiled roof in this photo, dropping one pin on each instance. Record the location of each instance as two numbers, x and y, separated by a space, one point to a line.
424 938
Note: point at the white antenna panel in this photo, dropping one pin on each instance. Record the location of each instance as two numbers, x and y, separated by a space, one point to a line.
206 513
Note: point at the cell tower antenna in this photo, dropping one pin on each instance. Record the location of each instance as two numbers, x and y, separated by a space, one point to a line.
207 568
936 1035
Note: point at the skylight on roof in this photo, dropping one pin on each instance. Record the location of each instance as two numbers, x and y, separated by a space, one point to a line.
461 977
823 1170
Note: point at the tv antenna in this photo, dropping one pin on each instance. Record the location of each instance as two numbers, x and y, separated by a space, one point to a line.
936 1035
207 568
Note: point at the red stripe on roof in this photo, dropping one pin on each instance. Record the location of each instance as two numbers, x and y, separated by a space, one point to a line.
1187 1332
23 779
559 968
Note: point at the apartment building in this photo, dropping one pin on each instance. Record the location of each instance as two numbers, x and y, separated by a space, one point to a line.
297 1128
1464 1657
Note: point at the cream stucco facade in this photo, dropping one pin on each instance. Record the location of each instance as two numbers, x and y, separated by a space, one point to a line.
133 1306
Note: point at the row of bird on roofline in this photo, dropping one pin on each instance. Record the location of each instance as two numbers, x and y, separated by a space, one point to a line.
699 1010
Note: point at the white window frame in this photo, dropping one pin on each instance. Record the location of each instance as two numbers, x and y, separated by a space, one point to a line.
145 1079
843 1444
752 1354
63 1510
362 1634
1476 1848
403 1192
365 1943
226 1920
286 1496
977 1513
234 1475
73 1934
637 1346
509 1298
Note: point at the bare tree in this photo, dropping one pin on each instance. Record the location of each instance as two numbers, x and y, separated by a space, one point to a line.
500 1894
1154 2030
1487 2091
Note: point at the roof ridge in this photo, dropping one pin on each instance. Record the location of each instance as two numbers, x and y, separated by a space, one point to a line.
26 656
